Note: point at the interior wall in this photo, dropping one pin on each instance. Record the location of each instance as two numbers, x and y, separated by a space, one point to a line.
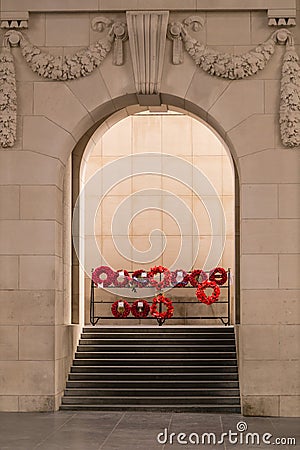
191 140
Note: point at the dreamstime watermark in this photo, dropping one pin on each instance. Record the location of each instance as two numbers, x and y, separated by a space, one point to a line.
238 437
138 165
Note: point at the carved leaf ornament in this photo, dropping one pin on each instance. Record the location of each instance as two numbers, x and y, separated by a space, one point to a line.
215 63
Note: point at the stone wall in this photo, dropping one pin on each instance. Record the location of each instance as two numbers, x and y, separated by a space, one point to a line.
36 337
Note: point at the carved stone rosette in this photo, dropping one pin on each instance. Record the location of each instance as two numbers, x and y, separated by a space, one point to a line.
147 32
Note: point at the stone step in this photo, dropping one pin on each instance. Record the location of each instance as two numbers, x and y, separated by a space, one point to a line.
157 341
160 336
217 361
138 355
147 400
152 384
187 408
134 348
159 376
174 370
152 392
156 329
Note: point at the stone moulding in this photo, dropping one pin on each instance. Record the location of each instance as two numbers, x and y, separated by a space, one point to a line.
147 38
147 31
236 67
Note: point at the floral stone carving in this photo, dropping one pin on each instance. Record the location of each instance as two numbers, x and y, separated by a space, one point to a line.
8 98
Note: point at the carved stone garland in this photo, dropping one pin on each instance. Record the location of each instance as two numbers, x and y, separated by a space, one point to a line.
211 61
58 68
234 67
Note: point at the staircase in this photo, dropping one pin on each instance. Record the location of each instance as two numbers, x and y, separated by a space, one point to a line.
154 369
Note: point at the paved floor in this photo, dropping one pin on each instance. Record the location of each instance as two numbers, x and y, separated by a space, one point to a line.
134 430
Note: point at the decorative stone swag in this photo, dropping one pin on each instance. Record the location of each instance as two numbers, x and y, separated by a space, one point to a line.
147 32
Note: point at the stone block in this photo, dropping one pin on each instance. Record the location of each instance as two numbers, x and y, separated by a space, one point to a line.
176 135
257 168
36 403
289 341
84 89
27 307
289 266
117 141
25 98
65 29
211 167
39 272
204 90
270 236
289 201
259 271
26 377
290 382
146 133
9 202
259 201
29 168
41 202
227 108
261 377
263 405
27 237
272 96
9 269
56 102
9 403
43 136
36 343
230 28
8 343
262 126
259 342
290 405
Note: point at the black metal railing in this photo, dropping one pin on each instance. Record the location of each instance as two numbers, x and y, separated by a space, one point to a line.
225 319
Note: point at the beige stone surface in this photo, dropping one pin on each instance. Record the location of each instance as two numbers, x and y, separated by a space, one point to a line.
260 342
27 307
67 29
26 377
263 405
270 166
38 403
25 98
260 125
289 341
268 306
272 96
9 403
117 141
288 271
9 267
290 405
58 103
27 237
261 377
36 343
41 202
43 136
27 168
259 271
228 29
290 382
259 201
271 236
226 110
289 204
9 202
38 272
9 343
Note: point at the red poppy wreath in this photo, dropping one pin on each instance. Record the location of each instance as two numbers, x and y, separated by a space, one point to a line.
125 278
140 308
109 279
197 276
139 279
218 275
201 295
160 298
120 309
164 282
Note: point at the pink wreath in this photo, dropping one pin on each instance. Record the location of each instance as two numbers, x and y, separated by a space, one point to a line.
110 276
125 281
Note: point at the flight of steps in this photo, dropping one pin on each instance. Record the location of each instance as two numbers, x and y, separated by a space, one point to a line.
164 368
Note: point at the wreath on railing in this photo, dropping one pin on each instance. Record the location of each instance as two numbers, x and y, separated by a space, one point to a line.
110 276
122 274
160 298
166 280
138 279
197 276
120 309
184 278
218 275
140 308
201 295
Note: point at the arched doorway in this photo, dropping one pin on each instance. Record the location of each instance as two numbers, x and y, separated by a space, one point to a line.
175 132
